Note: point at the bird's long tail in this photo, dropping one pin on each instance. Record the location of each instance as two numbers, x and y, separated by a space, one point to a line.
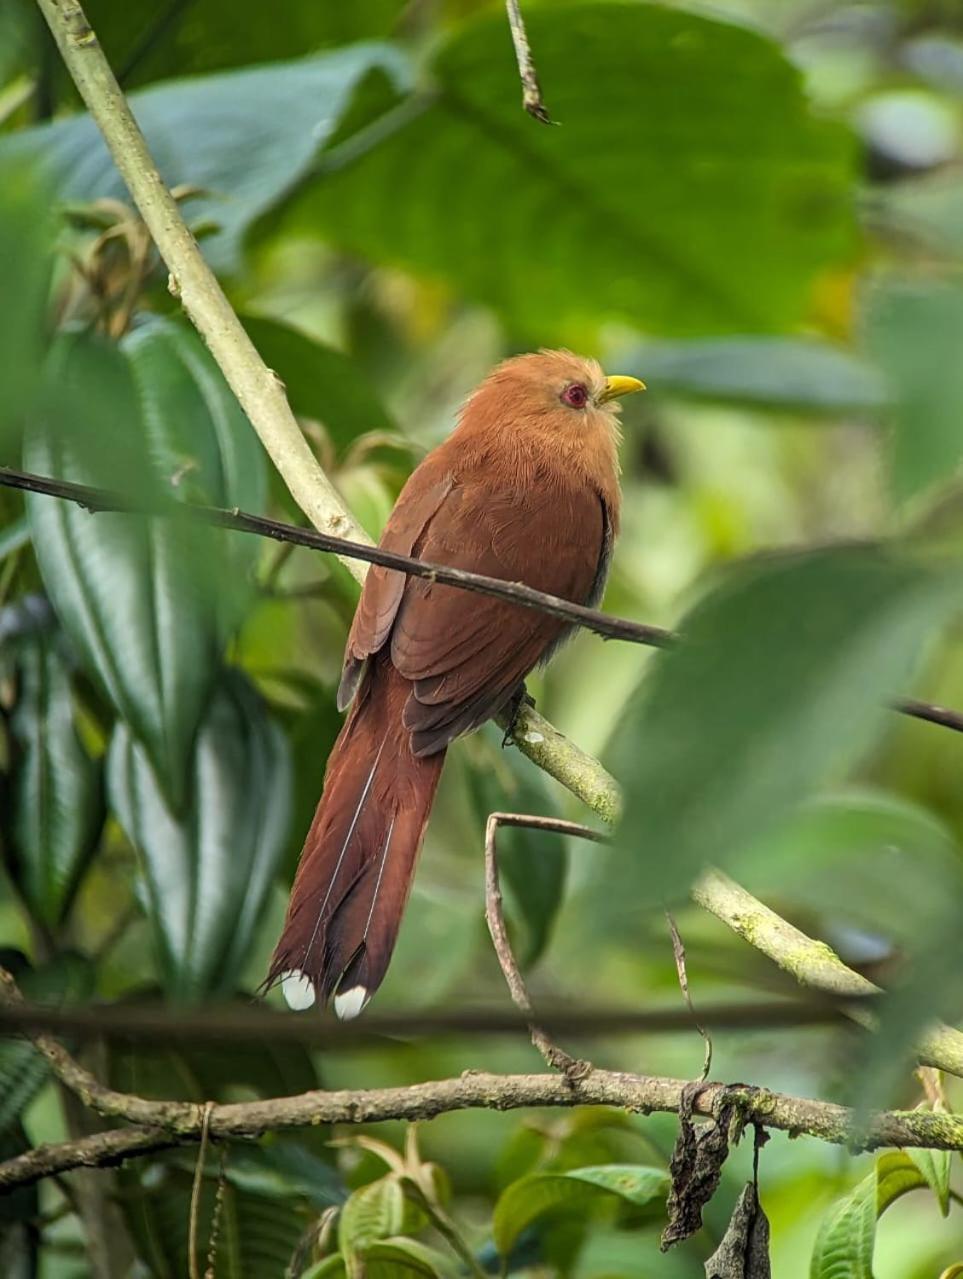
359 857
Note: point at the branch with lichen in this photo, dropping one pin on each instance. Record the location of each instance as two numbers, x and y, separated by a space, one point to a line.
161 1124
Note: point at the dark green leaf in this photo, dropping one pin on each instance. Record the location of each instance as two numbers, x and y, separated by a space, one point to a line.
27 229
574 1193
208 37
131 592
242 137
19 1210
697 211
148 603
779 373
321 383
402 1258
200 444
914 332
55 790
206 873
257 1233
780 681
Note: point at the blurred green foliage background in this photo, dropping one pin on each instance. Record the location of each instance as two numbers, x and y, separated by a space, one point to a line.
756 206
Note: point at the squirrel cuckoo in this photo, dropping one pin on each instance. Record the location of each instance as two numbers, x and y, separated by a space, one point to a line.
525 488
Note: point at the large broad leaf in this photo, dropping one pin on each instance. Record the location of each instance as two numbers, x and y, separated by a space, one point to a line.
844 1245
208 37
54 813
915 332
677 197
573 1193
200 444
791 374
27 229
207 872
257 1233
321 383
779 682
242 137
148 603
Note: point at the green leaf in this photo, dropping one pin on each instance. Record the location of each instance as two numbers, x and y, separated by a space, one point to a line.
935 1167
668 198
243 137
200 444
329 1268
27 230
400 1258
321 383
55 790
844 1245
913 332
128 590
787 374
374 1212
147 602
780 681
575 1193
206 873
257 1233
214 38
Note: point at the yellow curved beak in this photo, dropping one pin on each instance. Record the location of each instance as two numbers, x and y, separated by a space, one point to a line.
619 386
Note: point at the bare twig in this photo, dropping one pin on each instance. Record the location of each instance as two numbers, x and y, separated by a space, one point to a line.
553 1055
531 90
196 1191
93 499
149 1023
678 954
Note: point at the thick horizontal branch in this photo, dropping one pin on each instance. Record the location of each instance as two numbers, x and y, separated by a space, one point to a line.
179 1123
604 624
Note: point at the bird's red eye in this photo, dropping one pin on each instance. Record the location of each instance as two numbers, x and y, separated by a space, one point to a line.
576 396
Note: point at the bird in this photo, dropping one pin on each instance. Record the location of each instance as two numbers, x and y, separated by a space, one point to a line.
525 488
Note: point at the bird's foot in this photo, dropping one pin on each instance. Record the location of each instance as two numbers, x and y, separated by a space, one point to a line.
520 698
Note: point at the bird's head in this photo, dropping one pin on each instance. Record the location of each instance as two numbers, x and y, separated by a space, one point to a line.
557 390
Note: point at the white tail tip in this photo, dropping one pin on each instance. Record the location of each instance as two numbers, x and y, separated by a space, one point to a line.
348 1004
298 990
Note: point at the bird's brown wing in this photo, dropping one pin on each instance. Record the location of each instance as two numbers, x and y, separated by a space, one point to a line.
419 500
466 654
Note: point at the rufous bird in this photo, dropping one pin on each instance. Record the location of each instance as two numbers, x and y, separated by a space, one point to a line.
525 488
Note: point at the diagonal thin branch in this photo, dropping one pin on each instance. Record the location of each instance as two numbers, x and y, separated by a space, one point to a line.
554 1056
813 963
591 619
